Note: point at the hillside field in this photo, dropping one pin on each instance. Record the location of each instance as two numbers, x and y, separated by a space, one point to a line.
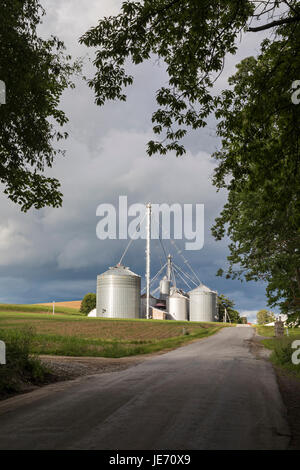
69 333
69 304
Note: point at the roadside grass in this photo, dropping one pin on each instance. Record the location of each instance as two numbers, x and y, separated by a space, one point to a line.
22 367
282 350
269 331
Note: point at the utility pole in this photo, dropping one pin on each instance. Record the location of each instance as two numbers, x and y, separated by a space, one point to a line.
148 229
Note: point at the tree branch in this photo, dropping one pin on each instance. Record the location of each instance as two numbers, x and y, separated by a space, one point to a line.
294 19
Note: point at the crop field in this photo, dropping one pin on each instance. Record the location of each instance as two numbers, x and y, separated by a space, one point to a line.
38 308
72 334
69 304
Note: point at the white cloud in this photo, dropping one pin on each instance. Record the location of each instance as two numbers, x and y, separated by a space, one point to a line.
250 314
72 18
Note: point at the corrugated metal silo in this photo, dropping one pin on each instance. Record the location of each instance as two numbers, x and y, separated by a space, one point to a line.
177 306
164 287
118 293
203 304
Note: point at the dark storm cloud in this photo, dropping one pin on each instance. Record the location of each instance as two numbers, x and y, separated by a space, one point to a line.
54 254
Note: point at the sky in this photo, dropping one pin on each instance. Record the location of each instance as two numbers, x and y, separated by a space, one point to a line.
54 254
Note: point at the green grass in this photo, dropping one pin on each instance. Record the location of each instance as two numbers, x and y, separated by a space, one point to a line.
281 347
265 330
34 308
75 346
77 335
22 367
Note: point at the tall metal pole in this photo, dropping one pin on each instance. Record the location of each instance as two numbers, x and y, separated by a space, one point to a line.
169 267
148 228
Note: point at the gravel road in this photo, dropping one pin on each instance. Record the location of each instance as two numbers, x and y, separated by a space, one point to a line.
211 394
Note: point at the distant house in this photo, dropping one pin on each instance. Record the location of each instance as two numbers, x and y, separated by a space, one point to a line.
283 318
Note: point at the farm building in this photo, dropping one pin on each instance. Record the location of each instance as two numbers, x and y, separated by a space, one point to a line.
119 291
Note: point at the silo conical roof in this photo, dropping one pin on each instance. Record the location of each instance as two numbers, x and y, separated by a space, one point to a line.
119 270
200 288
177 294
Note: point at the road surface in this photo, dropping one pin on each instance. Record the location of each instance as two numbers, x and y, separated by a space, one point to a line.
211 394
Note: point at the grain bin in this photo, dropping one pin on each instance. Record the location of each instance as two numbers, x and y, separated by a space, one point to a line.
118 293
164 287
177 306
203 304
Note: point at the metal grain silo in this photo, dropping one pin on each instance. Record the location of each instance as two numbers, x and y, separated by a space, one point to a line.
118 293
164 287
203 304
177 306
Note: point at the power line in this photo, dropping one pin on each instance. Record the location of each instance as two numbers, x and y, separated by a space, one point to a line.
153 279
185 274
131 240
182 277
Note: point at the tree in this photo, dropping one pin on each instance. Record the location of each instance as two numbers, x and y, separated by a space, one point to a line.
88 303
192 37
224 302
259 124
35 72
259 166
264 316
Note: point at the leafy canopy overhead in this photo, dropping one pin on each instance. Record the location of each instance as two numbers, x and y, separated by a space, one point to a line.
192 37
35 72
259 165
